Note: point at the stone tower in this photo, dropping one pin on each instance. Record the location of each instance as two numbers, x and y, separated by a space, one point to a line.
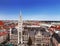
20 22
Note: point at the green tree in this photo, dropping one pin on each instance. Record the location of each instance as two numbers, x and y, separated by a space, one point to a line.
29 41
0 44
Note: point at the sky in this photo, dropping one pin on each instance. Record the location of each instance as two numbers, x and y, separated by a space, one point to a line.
30 9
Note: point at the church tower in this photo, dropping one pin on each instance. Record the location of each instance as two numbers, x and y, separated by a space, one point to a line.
20 24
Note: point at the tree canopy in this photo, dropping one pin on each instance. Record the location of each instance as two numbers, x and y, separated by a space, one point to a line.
29 41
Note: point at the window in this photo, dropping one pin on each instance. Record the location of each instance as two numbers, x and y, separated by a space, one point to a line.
38 44
25 33
14 31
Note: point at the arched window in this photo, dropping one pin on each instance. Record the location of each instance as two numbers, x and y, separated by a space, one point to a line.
14 31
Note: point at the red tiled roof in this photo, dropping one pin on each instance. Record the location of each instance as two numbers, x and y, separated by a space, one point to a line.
3 33
1 23
57 27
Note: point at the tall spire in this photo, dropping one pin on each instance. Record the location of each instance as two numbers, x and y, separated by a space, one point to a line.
20 22
20 16
20 13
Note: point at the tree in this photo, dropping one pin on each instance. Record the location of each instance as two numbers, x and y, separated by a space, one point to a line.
29 42
0 44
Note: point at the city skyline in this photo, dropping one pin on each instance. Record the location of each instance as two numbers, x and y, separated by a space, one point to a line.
31 9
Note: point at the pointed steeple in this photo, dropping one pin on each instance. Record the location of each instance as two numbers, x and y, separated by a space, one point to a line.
20 22
20 13
20 16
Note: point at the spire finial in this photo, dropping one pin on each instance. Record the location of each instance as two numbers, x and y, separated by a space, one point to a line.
20 14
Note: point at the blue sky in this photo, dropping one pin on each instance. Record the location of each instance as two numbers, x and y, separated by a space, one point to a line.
9 9
31 9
